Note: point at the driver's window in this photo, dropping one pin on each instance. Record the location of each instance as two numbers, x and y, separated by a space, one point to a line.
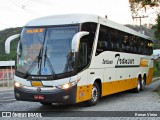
82 54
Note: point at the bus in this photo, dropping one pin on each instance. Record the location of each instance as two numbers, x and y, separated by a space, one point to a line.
80 57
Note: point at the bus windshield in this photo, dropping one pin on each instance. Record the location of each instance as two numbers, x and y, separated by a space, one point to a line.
46 51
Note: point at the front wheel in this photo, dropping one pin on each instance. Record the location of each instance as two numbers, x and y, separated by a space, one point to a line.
95 95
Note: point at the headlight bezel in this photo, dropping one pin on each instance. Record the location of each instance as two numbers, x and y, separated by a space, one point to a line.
17 84
68 85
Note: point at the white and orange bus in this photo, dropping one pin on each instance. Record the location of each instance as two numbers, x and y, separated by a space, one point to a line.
77 57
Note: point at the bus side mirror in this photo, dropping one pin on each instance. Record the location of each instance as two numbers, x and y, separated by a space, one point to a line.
76 40
8 41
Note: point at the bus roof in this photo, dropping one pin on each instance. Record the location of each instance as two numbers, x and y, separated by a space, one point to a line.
81 18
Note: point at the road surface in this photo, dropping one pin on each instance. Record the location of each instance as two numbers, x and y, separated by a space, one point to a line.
147 100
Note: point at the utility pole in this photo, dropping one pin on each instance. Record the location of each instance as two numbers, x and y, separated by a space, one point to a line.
140 17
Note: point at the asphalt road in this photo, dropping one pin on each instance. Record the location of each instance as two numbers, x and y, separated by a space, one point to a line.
147 100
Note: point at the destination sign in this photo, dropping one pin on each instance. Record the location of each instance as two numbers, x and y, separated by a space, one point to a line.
36 30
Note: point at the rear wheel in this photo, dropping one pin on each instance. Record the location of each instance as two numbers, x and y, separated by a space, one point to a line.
95 95
143 83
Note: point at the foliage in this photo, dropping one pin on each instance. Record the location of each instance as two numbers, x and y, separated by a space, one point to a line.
4 34
156 68
156 45
157 28
138 4
147 31
143 3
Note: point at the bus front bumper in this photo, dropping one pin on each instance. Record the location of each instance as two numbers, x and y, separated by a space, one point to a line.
65 96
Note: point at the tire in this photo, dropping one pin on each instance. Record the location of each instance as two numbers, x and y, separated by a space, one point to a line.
137 89
45 103
95 95
143 83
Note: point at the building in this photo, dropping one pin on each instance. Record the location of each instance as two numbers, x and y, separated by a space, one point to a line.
6 73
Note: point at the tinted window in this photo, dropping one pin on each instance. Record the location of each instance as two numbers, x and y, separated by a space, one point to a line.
86 45
114 40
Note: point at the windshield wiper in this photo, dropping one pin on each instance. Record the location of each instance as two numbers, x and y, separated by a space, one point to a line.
49 63
34 63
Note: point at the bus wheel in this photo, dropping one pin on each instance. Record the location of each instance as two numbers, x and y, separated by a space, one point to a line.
95 95
137 89
45 103
143 83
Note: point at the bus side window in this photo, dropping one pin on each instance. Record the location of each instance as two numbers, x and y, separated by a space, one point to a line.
107 40
144 47
101 46
129 48
120 41
103 40
149 48
125 44
138 45
132 44
114 42
141 46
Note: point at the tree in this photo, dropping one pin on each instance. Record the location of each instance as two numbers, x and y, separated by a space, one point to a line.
157 27
4 34
137 5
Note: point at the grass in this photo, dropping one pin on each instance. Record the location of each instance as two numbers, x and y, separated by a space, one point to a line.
156 74
158 89
156 69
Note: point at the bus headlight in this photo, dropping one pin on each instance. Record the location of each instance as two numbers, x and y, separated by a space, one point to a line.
17 84
67 85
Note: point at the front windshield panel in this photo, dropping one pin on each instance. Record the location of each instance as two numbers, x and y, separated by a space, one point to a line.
46 51
29 48
58 57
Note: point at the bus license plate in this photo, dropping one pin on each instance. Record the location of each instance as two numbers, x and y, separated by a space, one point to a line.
39 97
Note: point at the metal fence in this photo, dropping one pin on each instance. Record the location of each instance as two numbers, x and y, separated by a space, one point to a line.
6 77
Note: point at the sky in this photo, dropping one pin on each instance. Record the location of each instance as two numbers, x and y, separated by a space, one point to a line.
16 13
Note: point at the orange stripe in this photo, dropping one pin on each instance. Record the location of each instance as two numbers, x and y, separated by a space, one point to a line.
84 92
144 63
149 77
118 86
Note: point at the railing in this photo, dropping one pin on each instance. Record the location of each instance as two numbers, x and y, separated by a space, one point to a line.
6 77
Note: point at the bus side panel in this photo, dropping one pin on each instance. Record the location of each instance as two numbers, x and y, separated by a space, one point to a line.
119 79
83 93
118 86
149 76
84 88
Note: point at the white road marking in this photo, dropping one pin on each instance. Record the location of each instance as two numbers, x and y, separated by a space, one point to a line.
7 100
6 92
6 97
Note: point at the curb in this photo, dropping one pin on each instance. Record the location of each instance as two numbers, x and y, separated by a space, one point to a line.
156 78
